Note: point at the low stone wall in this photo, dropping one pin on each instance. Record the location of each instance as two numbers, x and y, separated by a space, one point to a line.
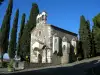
37 65
84 67
20 65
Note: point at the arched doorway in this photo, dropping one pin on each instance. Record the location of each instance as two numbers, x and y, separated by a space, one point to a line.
39 58
64 48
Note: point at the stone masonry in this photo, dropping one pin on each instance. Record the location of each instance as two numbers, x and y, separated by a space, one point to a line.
51 44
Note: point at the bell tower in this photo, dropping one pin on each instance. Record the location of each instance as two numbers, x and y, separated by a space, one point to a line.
41 18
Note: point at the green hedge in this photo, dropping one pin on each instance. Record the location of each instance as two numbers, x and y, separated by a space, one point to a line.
5 64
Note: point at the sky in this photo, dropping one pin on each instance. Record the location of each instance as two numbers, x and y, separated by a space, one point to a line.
62 13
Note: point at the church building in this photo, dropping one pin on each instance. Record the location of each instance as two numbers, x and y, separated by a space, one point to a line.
51 44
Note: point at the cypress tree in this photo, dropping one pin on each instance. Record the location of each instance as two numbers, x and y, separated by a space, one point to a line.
32 18
20 34
5 28
88 39
23 42
85 36
1 1
93 52
81 32
80 54
12 45
96 33
28 27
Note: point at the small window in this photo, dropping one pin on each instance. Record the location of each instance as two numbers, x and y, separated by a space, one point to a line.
64 47
35 53
39 58
55 40
55 52
42 17
16 65
39 33
38 20
45 17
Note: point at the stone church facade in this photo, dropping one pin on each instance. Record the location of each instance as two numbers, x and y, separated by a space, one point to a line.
51 44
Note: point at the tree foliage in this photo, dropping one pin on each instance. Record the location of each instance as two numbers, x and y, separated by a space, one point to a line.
32 18
93 52
24 43
85 36
80 50
12 45
96 32
5 28
20 34
81 32
1 1
31 23
88 39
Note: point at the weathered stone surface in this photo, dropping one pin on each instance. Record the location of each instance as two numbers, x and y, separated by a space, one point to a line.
47 43
19 65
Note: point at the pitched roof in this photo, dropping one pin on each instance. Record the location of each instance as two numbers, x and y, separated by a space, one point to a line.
60 29
63 30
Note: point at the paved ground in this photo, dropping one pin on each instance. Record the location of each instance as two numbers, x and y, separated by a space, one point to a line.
84 67
3 70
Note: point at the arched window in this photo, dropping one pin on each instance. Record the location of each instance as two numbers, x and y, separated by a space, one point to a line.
39 33
42 17
64 47
55 40
39 58
38 20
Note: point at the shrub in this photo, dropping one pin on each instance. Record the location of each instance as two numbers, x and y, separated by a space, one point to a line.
4 64
10 66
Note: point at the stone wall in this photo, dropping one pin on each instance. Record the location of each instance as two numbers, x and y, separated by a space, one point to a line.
44 34
40 34
66 57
